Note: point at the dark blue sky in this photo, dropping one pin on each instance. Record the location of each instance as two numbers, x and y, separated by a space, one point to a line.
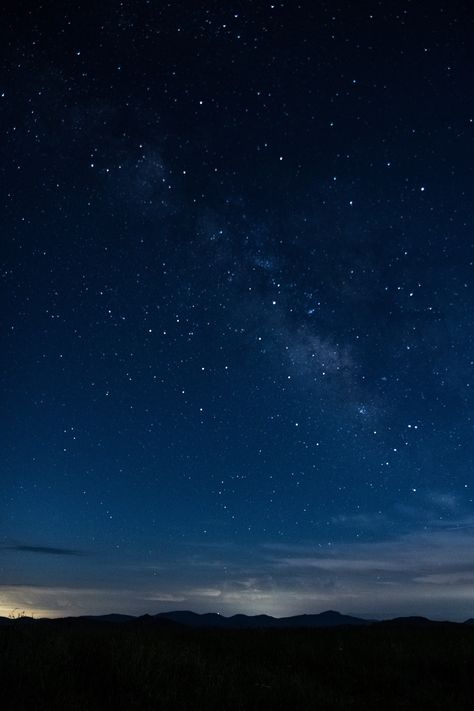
237 363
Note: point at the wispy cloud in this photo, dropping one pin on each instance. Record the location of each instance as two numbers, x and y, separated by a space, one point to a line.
449 548
428 571
165 597
43 550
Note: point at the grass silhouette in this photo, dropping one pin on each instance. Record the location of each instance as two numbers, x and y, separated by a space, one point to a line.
91 666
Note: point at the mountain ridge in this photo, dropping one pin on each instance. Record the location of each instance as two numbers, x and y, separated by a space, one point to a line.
329 618
190 619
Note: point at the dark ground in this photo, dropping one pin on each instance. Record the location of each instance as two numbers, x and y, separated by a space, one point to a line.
87 666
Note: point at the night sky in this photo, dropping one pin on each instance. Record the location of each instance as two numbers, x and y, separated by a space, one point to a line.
237 358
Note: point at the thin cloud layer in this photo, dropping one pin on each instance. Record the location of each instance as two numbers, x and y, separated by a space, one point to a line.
43 550
430 573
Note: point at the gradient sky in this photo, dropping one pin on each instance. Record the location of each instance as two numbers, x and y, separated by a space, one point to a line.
237 323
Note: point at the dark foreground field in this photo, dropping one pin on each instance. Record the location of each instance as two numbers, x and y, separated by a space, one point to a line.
91 666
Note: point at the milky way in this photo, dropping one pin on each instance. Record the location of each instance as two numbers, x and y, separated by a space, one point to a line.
237 363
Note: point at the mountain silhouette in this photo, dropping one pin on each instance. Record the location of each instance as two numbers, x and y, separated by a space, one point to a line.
413 621
330 618
187 618
108 618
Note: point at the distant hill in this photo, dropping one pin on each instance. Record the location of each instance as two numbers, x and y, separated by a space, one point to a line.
187 618
330 618
108 618
413 621
193 619
255 621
